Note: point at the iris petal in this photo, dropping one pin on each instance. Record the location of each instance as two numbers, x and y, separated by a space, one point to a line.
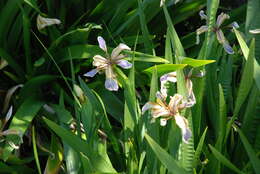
221 18
102 43
203 15
118 49
99 60
163 122
91 73
111 84
124 64
183 125
43 22
228 48
147 106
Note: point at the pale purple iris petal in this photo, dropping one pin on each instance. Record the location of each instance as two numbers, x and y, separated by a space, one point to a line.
118 49
203 15
183 125
220 36
43 22
255 31
147 106
199 31
234 25
102 43
99 60
124 64
228 48
91 73
111 84
221 18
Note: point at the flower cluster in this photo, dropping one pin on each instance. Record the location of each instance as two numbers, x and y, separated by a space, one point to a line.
165 111
106 64
217 29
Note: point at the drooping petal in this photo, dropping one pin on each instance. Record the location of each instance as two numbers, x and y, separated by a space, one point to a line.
124 64
163 122
163 89
91 73
159 111
8 96
111 84
147 106
183 125
199 31
43 22
221 18
255 31
220 36
228 48
102 43
203 15
118 49
99 61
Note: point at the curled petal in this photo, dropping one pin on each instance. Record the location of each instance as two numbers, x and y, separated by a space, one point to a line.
169 77
147 106
124 64
163 122
43 22
183 125
91 73
202 29
163 89
99 61
228 48
118 49
8 96
255 31
220 36
102 43
234 25
203 15
111 84
221 18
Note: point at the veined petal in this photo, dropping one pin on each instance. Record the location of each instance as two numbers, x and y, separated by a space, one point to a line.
203 15
163 89
183 125
228 48
159 111
99 61
91 73
163 122
220 36
118 49
102 43
109 72
43 22
124 64
221 18
111 84
160 96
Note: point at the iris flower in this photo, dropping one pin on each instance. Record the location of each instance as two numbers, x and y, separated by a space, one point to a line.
217 29
165 111
106 64
43 22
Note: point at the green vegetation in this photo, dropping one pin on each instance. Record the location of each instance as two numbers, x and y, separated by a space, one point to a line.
109 86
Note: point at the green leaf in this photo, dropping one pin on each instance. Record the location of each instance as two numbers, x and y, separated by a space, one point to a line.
97 162
167 160
250 151
224 160
199 149
196 62
165 68
21 121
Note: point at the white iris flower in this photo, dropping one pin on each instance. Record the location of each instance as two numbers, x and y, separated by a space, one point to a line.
217 29
106 64
43 22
